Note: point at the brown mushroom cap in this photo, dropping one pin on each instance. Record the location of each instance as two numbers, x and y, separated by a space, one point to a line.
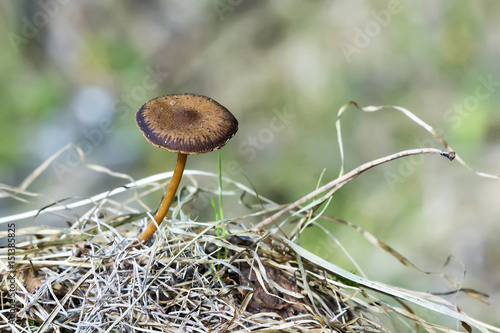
186 123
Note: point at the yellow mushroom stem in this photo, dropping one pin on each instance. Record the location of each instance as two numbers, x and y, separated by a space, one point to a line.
167 200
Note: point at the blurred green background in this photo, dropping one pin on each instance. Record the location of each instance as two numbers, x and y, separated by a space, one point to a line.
77 71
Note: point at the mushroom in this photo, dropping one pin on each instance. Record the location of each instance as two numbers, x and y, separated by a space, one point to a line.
186 124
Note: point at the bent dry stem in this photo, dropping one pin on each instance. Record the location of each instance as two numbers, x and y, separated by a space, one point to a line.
340 181
167 200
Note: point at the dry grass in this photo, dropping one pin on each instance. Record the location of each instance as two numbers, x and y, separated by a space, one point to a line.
90 278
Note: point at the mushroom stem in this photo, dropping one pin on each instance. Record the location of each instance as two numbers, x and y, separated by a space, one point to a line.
167 200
